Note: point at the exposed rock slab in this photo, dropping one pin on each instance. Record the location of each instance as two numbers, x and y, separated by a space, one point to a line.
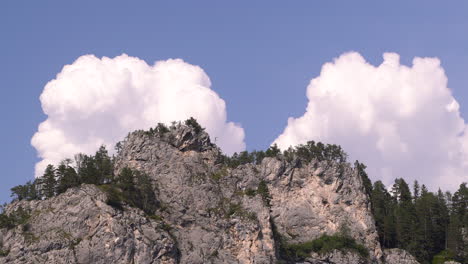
398 256
207 214
79 227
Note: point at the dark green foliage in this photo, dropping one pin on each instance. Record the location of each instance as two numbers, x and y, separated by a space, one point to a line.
264 193
18 217
250 192
97 169
133 188
49 182
27 191
130 187
425 223
66 177
104 165
361 170
242 158
218 175
118 147
322 245
192 122
383 211
272 151
319 151
306 153
405 214
442 257
228 209
3 252
458 222
161 129
114 197
86 169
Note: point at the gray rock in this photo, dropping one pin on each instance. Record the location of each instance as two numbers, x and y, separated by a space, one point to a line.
398 256
79 227
337 256
207 213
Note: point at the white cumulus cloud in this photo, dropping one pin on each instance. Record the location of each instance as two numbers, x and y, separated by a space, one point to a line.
400 121
98 101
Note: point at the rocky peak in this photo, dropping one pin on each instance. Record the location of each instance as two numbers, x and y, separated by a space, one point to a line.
187 138
209 211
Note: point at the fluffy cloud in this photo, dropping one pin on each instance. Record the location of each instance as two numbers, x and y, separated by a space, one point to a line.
98 101
400 121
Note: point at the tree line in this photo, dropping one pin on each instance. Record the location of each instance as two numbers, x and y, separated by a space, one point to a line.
304 152
89 169
130 186
429 225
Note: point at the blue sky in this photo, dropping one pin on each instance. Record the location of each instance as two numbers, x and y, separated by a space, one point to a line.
260 56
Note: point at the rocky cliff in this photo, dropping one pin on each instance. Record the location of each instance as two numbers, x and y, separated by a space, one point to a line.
208 212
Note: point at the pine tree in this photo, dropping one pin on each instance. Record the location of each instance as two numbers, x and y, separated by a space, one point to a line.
87 171
66 177
272 151
19 192
49 182
104 166
405 214
361 170
416 190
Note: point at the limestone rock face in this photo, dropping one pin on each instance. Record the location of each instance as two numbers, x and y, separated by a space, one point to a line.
399 256
79 227
319 198
308 200
209 213
212 221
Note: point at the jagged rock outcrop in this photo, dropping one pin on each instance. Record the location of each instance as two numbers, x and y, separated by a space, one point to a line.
320 197
79 227
208 213
307 199
212 220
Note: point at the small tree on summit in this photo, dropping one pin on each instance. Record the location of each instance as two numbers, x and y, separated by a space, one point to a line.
192 122
104 165
66 176
272 151
49 182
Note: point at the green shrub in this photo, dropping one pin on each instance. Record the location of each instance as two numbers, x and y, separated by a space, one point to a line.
162 129
264 193
218 175
192 122
132 188
4 253
442 257
156 217
18 217
322 245
114 196
249 192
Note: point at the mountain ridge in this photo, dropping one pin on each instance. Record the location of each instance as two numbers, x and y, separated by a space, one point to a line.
204 210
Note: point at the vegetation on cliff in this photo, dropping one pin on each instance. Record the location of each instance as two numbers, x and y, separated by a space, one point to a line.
426 224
